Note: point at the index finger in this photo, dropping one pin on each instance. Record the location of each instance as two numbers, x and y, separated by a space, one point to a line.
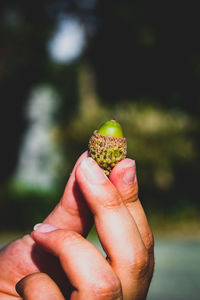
115 226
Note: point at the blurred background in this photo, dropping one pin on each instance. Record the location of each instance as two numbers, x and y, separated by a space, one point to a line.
66 66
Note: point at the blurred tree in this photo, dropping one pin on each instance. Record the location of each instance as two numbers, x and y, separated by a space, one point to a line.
137 50
149 49
25 29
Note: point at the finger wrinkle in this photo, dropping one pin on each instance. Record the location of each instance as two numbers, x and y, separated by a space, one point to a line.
108 287
130 195
72 211
112 202
8 296
70 239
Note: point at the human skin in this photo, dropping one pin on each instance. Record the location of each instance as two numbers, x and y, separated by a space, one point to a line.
123 230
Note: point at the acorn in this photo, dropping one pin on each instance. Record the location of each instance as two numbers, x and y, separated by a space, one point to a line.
107 145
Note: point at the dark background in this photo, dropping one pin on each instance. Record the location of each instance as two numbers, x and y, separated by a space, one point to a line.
140 64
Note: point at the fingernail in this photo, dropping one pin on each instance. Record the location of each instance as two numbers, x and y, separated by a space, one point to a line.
41 227
93 172
129 176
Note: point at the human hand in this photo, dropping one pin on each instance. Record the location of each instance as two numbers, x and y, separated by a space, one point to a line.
23 256
124 234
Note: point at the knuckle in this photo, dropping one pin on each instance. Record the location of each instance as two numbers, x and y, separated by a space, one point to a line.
141 263
71 235
32 279
30 282
130 195
149 242
69 238
36 285
137 264
108 287
113 201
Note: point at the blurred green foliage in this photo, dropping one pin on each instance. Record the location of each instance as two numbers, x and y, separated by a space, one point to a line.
141 66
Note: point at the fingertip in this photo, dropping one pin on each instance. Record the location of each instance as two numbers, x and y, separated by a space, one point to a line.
124 171
83 156
44 227
89 172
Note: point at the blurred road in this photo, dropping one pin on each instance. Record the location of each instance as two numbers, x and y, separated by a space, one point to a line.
177 271
177 268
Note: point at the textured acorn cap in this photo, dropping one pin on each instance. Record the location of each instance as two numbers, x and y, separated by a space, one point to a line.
107 150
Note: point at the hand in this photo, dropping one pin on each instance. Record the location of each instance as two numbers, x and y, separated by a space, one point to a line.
124 234
23 256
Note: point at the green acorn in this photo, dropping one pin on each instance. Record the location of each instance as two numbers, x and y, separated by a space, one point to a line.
108 146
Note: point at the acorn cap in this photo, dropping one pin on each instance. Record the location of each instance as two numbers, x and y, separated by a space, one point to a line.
110 148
